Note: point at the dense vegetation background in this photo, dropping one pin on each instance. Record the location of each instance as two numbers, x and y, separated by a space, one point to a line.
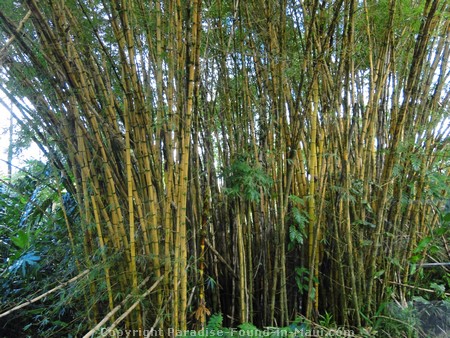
267 160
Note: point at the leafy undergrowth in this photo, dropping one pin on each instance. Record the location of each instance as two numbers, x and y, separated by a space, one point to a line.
298 328
420 319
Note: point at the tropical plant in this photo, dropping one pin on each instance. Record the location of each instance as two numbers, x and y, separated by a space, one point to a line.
35 252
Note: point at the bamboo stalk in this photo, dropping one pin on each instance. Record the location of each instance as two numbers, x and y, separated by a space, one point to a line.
103 253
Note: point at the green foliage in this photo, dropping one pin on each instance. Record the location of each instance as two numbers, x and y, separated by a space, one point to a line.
214 328
246 180
394 321
405 23
418 252
419 318
302 280
298 219
296 236
25 263
433 245
35 253
215 322
210 283
327 320
22 240
439 289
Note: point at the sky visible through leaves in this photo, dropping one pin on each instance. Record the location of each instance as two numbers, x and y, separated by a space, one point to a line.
31 153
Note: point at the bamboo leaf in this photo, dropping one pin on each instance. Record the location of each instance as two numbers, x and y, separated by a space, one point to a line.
22 239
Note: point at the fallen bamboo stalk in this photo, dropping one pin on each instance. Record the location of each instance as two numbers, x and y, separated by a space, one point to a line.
112 312
416 287
127 312
219 256
430 265
34 300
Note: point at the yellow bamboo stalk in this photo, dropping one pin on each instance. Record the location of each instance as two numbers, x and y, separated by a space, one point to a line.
129 175
184 162
242 266
103 253
312 172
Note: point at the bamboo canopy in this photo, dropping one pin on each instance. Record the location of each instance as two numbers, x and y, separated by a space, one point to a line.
262 159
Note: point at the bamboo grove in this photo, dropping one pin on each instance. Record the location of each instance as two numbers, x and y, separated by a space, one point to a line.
263 159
